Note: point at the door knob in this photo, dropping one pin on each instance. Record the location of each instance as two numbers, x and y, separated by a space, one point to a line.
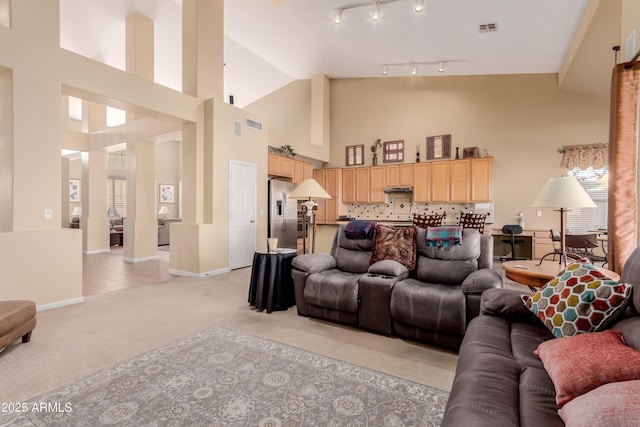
252 221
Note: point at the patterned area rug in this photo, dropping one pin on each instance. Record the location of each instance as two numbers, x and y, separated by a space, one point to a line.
221 377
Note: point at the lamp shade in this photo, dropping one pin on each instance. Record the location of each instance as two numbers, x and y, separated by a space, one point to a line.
113 213
77 211
309 189
563 192
163 210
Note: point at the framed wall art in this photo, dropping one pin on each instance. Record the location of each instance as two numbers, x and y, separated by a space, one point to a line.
355 155
74 190
439 147
166 193
393 151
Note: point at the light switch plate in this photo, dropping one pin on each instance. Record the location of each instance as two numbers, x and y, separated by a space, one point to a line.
48 214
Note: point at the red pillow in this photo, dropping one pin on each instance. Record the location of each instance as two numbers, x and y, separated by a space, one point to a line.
610 405
584 362
395 243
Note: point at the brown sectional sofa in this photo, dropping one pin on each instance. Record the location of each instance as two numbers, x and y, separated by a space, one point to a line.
433 303
499 380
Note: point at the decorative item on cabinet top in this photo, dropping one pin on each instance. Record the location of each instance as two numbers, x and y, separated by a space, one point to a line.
439 147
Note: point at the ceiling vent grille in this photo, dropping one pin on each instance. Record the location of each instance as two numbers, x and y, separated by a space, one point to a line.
488 28
253 124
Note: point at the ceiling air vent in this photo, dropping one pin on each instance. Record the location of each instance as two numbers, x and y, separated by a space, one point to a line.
488 28
254 124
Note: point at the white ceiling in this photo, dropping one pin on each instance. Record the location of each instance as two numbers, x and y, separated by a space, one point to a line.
269 43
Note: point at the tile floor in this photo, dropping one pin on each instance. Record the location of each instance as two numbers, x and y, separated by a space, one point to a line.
107 272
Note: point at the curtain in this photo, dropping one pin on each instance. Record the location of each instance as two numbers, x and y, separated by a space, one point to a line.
583 156
623 165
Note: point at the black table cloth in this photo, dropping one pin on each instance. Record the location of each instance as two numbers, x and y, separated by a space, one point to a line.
271 286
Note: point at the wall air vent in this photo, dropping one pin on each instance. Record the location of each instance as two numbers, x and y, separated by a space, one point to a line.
254 124
488 28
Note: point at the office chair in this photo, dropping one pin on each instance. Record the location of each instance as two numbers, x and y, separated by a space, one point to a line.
512 230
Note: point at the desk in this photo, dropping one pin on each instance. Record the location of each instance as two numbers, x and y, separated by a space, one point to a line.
271 285
535 276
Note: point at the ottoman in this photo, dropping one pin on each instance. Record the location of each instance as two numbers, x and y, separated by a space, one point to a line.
17 319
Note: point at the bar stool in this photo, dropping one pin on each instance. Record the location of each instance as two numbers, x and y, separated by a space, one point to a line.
512 230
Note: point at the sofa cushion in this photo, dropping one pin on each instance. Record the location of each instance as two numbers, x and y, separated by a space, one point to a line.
395 243
352 255
430 306
610 405
334 289
389 267
579 299
314 263
584 362
469 250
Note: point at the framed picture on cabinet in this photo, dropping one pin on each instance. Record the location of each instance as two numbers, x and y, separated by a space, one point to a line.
166 193
393 151
74 190
439 147
355 155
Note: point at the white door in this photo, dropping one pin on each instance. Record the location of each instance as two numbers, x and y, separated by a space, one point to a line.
242 214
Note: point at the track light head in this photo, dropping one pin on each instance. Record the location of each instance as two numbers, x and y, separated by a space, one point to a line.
441 67
376 11
338 18
384 70
414 69
419 6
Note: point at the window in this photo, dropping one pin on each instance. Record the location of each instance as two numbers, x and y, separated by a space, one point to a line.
596 183
117 194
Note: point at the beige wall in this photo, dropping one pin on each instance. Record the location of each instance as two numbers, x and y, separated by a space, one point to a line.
630 22
521 120
168 171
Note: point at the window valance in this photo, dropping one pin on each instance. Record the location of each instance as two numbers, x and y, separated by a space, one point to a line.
583 156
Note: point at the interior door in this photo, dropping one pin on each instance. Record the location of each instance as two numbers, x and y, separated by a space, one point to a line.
242 214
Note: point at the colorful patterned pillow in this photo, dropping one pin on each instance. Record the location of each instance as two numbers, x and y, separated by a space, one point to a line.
579 299
395 243
583 363
610 405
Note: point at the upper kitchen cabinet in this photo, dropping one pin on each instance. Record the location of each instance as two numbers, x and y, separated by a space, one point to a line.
439 184
421 182
481 179
460 173
376 180
301 171
280 166
400 174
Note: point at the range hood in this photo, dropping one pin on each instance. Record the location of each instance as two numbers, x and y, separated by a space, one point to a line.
400 189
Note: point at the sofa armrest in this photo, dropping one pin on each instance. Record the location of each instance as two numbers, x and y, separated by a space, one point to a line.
506 303
314 263
388 267
481 280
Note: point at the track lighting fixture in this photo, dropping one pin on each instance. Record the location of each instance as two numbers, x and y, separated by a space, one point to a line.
375 15
413 66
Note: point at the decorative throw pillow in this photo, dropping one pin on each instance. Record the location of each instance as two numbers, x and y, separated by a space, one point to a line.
395 243
579 299
583 363
610 405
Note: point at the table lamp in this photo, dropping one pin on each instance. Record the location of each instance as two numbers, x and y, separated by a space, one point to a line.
163 211
308 190
77 211
563 193
113 214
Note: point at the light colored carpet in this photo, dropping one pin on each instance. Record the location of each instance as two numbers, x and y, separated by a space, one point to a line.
223 377
72 342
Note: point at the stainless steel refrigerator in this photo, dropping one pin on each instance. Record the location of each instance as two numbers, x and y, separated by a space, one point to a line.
283 214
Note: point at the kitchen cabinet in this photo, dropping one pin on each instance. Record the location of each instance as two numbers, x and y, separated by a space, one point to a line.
481 179
421 182
280 166
400 174
301 171
349 185
363 185
459 178
329 180
439 185
376 181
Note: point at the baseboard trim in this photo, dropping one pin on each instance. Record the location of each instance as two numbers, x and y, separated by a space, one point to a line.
60 304
148 258
99 251
199 275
